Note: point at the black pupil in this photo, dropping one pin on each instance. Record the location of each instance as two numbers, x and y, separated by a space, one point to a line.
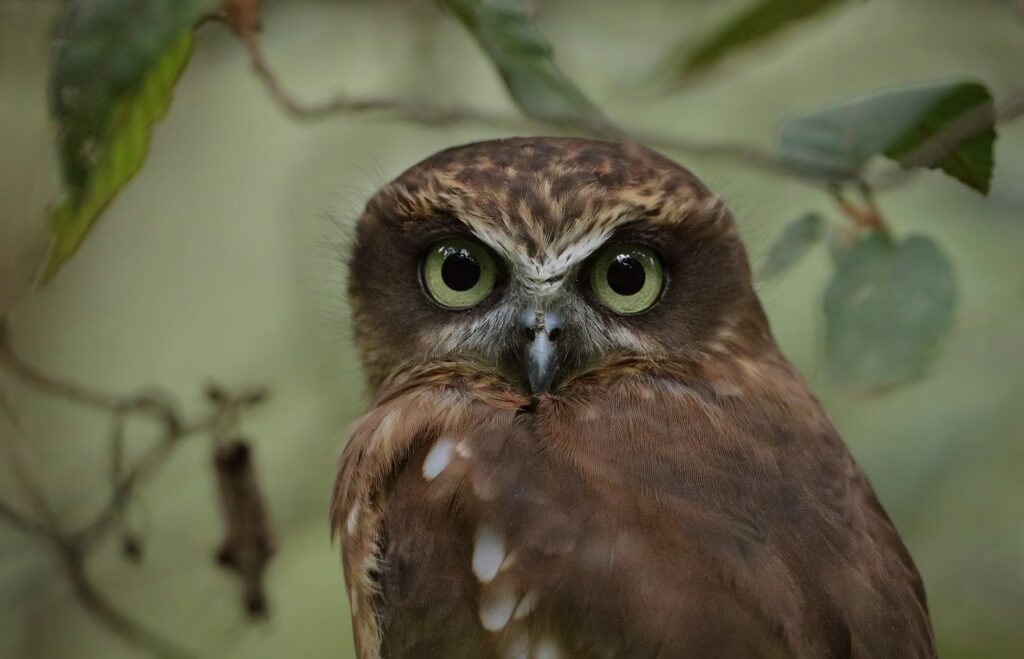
460 271
626 275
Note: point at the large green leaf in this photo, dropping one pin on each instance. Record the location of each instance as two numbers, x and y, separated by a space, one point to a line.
114 65
797 238
888 309
756 23
835 143
506 31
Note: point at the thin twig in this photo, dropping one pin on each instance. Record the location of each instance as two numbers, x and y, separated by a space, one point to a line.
764 160
868 217
123 625
74 547
26 524
20 464
438 115
398 108
39 380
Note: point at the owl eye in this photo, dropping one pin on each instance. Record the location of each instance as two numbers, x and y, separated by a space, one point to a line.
627 278
458 273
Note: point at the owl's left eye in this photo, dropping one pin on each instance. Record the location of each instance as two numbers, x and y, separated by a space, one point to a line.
459 273
628 279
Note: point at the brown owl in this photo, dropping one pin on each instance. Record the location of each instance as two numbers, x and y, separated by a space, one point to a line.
584 441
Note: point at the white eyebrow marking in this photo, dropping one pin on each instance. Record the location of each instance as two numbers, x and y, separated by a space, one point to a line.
545 274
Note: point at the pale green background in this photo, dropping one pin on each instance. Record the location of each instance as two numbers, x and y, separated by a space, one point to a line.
216 262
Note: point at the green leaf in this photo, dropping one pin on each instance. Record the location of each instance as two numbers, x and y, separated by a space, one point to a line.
506 31
114 65
888 309
758 22
834 144
797 238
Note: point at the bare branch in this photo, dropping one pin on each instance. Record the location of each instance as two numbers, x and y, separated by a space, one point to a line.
26 524
19 463
74 547
35 378
398 108
438 115
120 623
868 217
764 160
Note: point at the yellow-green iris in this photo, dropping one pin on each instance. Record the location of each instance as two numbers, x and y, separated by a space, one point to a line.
627 278
459 273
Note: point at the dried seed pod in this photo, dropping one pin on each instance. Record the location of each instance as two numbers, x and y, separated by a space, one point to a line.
248 544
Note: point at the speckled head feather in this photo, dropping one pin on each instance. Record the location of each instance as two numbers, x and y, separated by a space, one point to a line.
547 202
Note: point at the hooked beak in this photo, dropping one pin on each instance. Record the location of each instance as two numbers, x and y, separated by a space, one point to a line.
539 360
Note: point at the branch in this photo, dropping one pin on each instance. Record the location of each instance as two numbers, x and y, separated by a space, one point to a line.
868 217
123 625
74 547
20 463
39 380
26 524
243 21
239 17
89 596
430 114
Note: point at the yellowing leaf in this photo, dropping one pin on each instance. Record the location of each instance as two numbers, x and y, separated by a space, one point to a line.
114 67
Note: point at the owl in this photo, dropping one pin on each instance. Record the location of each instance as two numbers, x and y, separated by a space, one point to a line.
583 441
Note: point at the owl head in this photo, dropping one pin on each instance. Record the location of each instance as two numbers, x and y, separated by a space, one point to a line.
541 260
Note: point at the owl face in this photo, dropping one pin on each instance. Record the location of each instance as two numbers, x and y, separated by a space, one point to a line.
541 259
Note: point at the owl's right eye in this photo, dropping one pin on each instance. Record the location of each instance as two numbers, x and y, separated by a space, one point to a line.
459 273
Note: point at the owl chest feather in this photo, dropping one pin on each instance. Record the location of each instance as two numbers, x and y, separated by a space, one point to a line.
641 519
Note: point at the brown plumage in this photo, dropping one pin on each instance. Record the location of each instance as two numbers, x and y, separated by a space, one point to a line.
548 472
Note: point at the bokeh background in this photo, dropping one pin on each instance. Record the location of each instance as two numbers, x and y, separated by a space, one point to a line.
218 262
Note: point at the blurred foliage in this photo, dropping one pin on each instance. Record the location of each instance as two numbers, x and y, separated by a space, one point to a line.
797 238
837 142
888 308
105 98
114 65
760 20
507 33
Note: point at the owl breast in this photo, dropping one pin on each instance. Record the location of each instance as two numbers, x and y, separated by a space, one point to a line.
643 518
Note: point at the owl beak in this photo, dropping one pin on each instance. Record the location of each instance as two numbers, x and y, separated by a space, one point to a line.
542 333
